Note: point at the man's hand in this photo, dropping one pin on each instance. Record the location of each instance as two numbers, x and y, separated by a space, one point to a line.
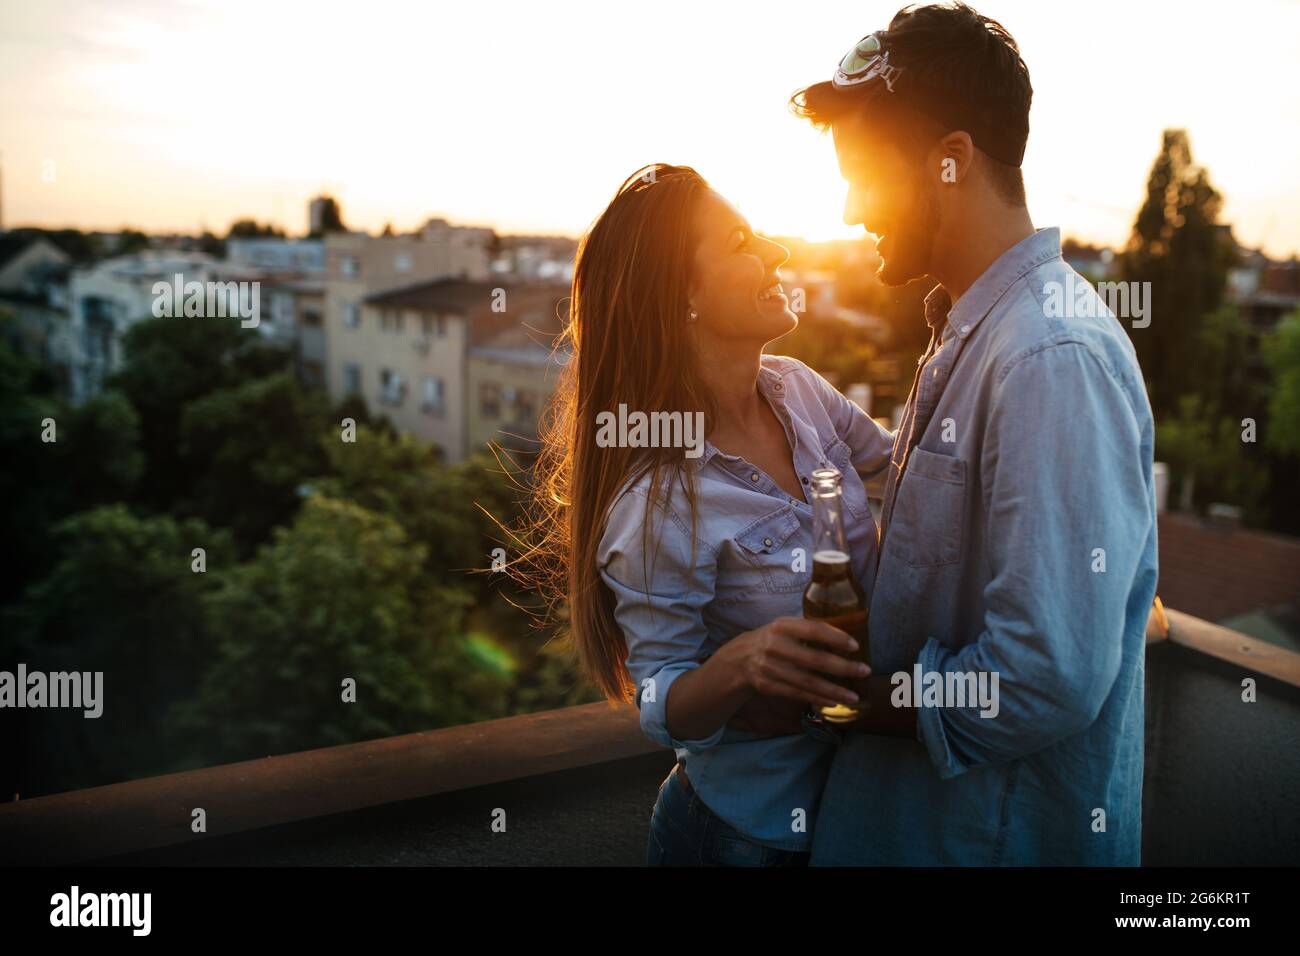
769 715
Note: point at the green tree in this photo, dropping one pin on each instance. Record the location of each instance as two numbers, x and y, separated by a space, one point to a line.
169 363
99 454
331 219
251 229
452 510
1205 453
250 447
94 458
459 514
341 594
130 241
29 480
1179 248
1281 350
124 598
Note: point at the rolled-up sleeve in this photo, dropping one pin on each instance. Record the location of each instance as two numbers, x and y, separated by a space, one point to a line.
659 600
1068 515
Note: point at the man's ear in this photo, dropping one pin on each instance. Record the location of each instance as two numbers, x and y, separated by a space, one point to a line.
952 156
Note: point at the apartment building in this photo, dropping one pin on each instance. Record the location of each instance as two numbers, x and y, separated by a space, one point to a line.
428 357
358 265
109 297
24 260
293 315
510 377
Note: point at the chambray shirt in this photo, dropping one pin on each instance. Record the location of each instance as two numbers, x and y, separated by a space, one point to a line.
1021 539
678 605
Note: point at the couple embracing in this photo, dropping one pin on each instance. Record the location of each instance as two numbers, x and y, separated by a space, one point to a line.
1017 533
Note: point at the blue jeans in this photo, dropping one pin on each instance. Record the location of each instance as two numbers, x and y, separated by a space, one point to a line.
684 832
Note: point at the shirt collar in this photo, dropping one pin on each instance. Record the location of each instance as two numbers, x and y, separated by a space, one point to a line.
977 301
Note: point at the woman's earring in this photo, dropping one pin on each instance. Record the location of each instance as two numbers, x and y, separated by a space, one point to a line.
692 316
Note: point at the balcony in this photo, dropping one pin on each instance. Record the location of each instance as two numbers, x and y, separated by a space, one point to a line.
1222 785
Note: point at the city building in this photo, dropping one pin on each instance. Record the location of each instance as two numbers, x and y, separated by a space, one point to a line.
34 290
109 297
277 255
535 259
24 261
359 265
510 376
293 314
454 362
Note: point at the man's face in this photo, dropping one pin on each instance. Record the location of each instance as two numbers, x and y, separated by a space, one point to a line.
891 198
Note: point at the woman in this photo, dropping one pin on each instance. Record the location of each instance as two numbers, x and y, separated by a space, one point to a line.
678 564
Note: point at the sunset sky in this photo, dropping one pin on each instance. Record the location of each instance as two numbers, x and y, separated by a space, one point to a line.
176 116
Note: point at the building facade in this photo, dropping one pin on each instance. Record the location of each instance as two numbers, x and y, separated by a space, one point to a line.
430 357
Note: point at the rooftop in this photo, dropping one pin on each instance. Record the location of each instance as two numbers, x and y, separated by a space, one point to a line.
531 312
1221 786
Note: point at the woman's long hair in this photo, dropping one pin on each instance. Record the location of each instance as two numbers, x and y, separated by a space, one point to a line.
628 335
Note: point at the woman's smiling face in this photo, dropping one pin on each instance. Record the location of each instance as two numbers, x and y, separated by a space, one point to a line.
735 286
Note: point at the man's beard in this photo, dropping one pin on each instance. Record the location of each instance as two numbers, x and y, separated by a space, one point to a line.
912 244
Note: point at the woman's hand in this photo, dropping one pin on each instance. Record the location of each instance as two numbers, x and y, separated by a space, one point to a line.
783 659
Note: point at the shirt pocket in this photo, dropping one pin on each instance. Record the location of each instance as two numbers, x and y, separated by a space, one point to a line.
853 493
928 523
763 545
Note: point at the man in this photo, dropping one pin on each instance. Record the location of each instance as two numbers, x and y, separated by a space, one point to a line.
1018 535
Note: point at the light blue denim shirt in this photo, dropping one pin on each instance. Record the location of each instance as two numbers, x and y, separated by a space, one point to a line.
677 606
1022 541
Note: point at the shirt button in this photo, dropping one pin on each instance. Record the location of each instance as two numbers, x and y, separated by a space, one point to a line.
754 477
778 386
793 502
767 542
804 479
965 329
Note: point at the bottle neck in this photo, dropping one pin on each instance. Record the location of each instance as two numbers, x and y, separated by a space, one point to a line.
828 523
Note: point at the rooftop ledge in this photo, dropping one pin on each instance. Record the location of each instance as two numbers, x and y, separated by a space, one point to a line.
1222 784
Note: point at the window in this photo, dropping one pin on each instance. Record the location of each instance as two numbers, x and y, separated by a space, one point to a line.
390 320
351 315
350 267
391 388
434 395
352 378
311 319
526 407
489 400
432 326
281 309
402 263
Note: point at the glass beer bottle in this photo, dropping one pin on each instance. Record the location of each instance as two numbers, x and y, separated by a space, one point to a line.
834 595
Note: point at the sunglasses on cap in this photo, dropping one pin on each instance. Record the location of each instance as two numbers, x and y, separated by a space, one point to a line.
867 60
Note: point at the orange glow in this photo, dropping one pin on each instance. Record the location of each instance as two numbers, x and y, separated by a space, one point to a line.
526 116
